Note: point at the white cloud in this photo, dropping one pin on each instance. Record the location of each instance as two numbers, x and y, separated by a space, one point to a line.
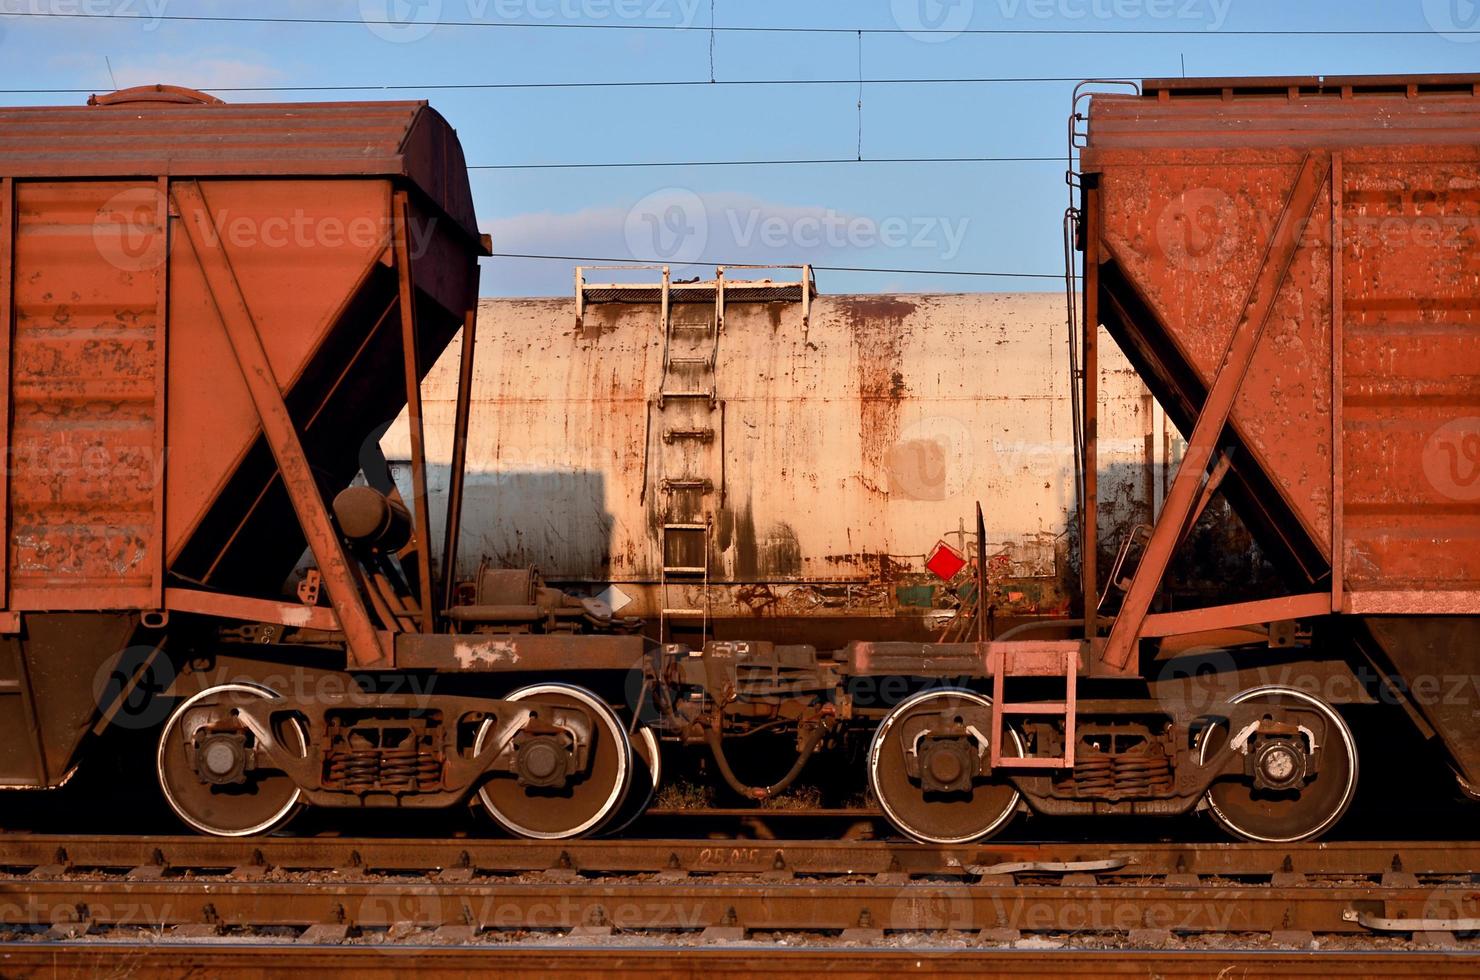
207 69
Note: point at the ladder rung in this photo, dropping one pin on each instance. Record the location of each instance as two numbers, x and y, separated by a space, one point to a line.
1035 708
703 435
686 394
685 527
687 360
684 613
704 485
685 569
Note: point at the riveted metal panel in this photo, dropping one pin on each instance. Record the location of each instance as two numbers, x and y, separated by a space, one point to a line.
86 370
1193 176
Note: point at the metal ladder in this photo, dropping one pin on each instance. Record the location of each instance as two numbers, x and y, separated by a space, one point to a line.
688 398
1028 659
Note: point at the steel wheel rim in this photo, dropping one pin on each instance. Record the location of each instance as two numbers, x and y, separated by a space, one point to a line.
645 753
1008 804
614 753
1229 822
168 741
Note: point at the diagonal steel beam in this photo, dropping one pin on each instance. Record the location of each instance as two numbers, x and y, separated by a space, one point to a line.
1216 408
277 424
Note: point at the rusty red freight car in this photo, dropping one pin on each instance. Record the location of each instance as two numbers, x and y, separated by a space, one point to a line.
212 313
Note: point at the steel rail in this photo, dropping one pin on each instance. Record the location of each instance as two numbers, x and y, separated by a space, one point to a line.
732 902
60 853
581 962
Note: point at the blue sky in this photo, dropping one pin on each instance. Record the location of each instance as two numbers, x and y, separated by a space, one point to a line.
979 216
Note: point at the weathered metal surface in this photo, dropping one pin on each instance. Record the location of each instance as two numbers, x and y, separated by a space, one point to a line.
200 300
665 905
850 447
626 961
53 680
1226 384
86 371
1192 188
82 854
94 522
297 475
131 133
540 653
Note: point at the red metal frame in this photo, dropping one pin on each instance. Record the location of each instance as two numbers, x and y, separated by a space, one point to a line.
1217 406
277 424
158 545
1236 614
1089 535
1338 387
252 610
7 276
1027 658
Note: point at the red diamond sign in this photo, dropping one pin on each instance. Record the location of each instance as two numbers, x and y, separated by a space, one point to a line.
945 561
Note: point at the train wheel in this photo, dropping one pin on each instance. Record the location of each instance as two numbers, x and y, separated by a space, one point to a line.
201 770
937 818
1303 812
647 773
581 806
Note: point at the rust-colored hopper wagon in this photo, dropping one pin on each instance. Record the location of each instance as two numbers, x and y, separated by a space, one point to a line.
209 313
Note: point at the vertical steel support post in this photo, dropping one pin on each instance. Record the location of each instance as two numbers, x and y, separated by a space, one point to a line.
1089 536
1217 407
421 507
277 424
158 546
458 472
7 330
1338 387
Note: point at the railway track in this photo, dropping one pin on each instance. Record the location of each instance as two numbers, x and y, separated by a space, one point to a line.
488 892
583 961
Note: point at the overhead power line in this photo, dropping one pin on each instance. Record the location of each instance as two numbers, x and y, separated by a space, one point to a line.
654 83
757 163
705 28
1058 276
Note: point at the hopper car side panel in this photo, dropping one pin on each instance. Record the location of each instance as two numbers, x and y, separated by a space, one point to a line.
1354 435
179 311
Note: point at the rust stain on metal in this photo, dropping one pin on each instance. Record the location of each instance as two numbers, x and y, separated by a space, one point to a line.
878 339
